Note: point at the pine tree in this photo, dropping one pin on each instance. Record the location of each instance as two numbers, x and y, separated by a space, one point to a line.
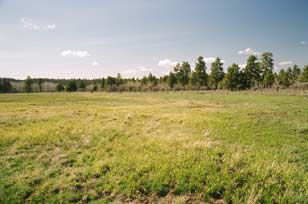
267 67
217 73
304 75
28 84
40 84
252 71
60 87
296 71
269 78
183 74
199 75
171 80
5 86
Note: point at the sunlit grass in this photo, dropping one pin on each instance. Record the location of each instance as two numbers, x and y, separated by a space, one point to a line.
188 147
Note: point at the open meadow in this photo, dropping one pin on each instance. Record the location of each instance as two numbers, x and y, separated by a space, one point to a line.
184 147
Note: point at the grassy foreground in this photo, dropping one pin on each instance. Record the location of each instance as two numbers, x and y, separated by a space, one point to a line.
216 147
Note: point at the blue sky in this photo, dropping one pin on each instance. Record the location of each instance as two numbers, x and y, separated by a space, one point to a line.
95 38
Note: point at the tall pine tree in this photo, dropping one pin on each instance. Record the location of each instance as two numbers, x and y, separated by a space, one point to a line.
199 75
267 67
252 71
217 73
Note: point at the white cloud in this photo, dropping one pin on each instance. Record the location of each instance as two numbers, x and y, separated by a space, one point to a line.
303 42
140 70
95 64
285 63
28 23
166 63
210 60
144 69
75 53
50 27
248 51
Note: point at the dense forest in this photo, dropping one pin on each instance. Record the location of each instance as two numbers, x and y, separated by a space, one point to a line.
257 74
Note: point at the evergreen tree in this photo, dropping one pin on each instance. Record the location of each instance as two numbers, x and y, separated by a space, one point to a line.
233 77
199 75
296 71
71 86
252 71
60 87
289 78
5 86
243 81
119 80
103 81
217 73
144 80
280 76
40 84
152 79
183 73
82 85
111 81
28 84
285 77
304 75
268 79
171 80
267 67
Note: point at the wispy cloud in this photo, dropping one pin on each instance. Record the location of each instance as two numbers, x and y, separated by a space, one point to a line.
95 63
285 63
75 53
248 51
50 27
29 24
303 42
166 63
144 69
139 70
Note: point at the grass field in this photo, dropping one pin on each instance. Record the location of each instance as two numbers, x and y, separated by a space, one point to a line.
215 147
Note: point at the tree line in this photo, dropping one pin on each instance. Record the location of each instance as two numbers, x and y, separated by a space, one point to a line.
257 74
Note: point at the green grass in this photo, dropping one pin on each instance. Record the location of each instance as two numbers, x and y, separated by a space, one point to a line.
187 147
